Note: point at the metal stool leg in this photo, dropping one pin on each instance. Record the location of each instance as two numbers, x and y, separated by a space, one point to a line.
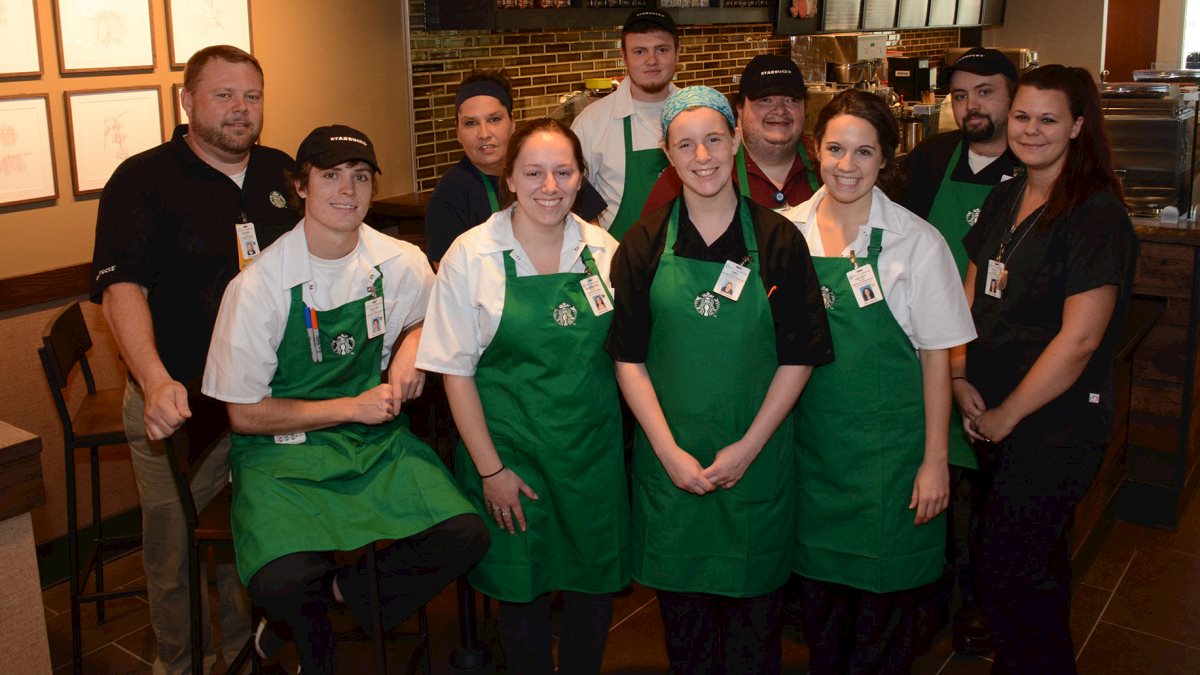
73 557
98 525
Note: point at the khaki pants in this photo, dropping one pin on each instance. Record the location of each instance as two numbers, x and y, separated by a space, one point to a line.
165 546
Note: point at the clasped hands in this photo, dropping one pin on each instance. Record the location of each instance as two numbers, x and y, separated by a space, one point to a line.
726 470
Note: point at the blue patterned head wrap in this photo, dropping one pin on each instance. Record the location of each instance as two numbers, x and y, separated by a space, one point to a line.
694 97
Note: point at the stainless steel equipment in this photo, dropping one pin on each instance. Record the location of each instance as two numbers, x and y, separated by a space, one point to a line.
1152 127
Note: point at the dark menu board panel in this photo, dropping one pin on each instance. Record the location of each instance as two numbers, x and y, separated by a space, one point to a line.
993 12
459 14
879 14
842 14
968 13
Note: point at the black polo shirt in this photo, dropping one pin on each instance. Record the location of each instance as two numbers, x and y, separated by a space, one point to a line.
166 222
1091 246
459 202
801 329
925 167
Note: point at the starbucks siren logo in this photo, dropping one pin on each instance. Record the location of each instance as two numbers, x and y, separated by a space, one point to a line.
277 200
565 314
707 304
828 296
972 217
343 344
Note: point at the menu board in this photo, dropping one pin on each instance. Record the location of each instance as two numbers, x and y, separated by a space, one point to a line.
879 14
968 12
941 12
993 12
912 13
459 14
842 14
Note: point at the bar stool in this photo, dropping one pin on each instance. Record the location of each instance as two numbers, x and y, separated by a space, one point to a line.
96 422
212 526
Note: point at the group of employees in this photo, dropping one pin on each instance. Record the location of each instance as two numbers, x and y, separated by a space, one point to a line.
792 343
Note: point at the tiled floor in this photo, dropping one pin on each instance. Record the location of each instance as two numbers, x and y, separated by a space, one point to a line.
1137 610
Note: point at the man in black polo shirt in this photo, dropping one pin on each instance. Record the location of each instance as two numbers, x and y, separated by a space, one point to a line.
175 224
949 176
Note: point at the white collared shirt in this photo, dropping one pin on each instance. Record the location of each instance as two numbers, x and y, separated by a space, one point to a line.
915 269
254 310
601 131
468 296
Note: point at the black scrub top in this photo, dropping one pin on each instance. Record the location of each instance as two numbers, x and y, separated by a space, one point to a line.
1090 246
801 329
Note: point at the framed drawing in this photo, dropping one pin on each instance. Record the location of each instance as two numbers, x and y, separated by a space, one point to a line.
195 24
798 17
26 150
177 97
100 35
105 127
20 52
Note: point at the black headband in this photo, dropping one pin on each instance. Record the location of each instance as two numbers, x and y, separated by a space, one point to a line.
482 88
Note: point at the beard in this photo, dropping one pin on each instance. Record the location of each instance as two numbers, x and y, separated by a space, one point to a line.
980 133
216 137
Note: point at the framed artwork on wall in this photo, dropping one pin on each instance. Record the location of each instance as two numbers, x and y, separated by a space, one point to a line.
177 98
20 48
26 150
195 24
107 126
104 35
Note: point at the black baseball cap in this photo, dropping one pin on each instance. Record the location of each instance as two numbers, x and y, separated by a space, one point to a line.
770 74
980 61
653 16
329 146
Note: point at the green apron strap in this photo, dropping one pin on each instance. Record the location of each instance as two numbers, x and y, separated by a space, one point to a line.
589 263
742 174
876 245
813 182
744 218
627 124
510 266
493 200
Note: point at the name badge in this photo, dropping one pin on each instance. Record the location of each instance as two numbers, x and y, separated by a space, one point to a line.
997 278
291 439
732 280
865 285
247 243
597 299
375 320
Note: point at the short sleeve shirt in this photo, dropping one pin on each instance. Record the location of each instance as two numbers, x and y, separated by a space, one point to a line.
166 222
258 302
801 329
468 297
1092 245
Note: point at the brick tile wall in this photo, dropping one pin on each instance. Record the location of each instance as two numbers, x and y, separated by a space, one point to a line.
545 65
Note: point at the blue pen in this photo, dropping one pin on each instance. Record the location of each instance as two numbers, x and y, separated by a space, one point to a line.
314 341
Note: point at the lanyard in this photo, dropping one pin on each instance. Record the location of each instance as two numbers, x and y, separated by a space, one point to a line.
1011 231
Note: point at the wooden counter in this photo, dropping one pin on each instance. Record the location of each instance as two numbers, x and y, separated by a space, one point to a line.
23 638
1164 442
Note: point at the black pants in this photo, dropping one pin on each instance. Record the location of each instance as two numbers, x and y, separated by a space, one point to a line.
850 630
963 516
1024 552
295 589
525 634
718 635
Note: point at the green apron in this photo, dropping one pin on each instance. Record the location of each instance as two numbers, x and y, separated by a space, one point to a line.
744 177
493 200
954 210
642 168
860 439
345 486
711 361
550 400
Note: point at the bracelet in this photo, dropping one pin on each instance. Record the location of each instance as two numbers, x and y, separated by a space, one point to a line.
958 377
497 472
